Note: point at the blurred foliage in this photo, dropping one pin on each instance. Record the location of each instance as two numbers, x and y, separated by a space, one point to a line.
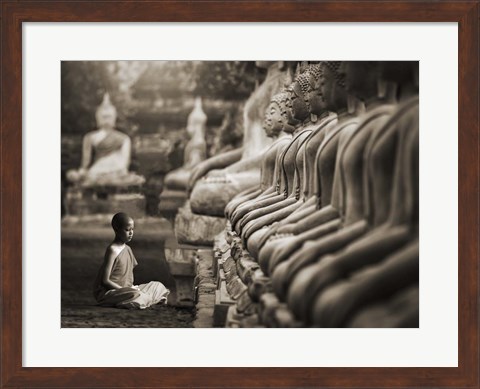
226 80
229 80
82 88
139 88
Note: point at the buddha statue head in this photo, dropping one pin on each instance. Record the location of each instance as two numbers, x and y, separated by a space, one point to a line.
315 96
361 78
299 97
106 114
333 87
276 115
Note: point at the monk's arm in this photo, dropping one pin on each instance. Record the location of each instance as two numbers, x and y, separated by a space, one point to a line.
109 260
216 162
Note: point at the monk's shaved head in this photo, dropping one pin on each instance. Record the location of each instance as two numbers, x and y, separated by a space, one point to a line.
120 220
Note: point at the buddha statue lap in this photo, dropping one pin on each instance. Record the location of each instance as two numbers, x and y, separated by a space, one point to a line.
399 311
211 194
103 181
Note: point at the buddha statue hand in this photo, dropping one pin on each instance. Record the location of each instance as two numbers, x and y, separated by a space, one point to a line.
76 176
217 179
217 162
259 285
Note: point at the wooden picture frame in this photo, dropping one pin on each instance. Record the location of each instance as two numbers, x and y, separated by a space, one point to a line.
14 13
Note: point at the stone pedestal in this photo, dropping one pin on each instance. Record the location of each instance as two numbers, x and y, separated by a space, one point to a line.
105 200
196 229
210 197
182 266
170 201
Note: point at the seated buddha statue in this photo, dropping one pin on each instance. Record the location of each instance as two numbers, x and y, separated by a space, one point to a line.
274 126
321 164
105 153
339 218
263 227
288 170
280 188
211 194
195 149
381 231
323 174
316 102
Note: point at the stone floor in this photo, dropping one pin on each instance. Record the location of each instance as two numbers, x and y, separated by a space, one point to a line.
83 313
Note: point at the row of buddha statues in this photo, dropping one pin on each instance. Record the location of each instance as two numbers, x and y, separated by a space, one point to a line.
320 211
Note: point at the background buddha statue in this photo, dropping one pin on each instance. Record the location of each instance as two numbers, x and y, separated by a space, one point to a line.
274 124
211 194
195 149
105 153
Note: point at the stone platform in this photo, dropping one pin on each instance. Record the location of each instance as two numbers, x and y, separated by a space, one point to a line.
106 199
197 230
170 201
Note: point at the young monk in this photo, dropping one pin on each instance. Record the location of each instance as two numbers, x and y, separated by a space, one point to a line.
114 283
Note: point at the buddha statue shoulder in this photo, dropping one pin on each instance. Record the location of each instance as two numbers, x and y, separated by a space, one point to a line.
105 153
195 149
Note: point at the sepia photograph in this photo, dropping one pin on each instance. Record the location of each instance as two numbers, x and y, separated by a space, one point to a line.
240 194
